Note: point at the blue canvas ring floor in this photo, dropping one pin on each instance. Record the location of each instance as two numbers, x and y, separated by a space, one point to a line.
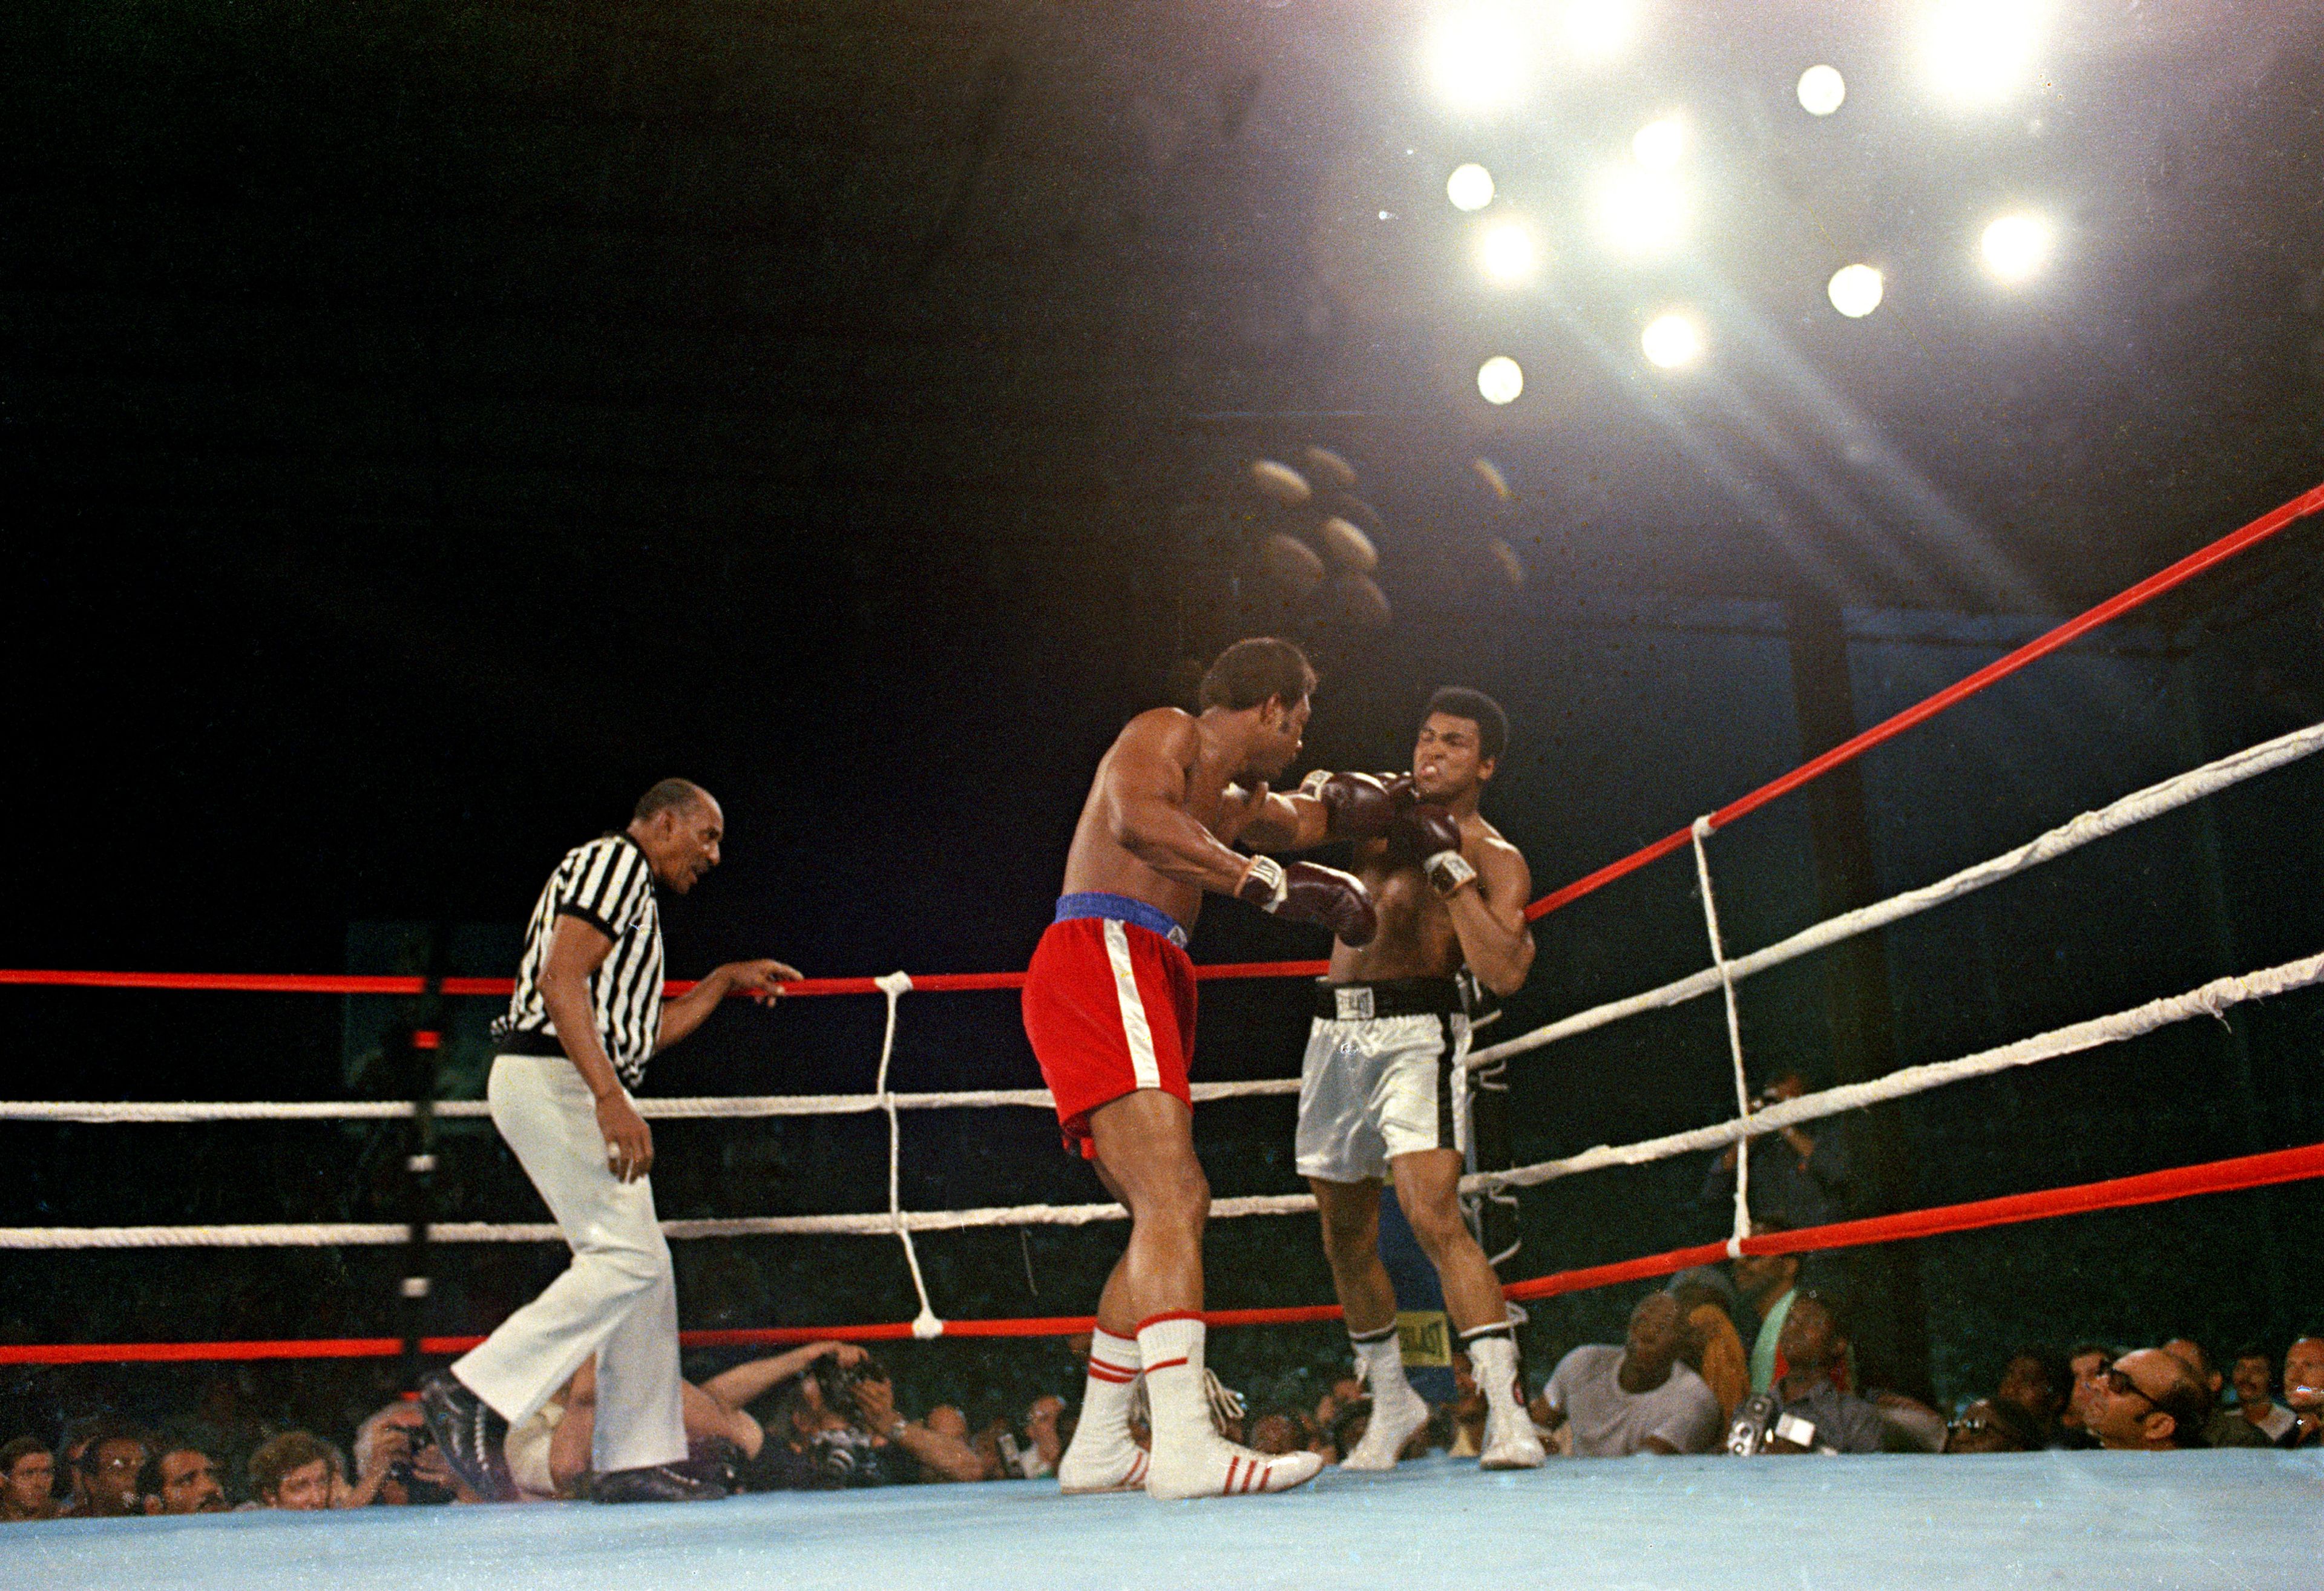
2191 1522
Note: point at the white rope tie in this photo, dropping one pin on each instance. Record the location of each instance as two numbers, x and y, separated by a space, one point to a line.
925 1325
1725 968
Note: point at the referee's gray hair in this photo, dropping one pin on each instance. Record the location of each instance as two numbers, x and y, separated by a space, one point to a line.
669 795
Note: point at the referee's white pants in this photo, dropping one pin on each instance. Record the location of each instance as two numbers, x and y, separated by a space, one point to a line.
618 1299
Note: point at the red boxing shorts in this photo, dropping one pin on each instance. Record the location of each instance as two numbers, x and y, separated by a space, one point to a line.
1110 1006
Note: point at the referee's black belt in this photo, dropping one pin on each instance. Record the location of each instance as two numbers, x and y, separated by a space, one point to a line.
1390 996
528 1040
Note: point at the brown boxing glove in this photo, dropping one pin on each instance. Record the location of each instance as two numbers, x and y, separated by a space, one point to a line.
1309 892
1431 836
1357 806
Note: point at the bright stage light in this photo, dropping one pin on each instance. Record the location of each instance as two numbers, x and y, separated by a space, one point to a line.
1477 58
1855 290
1672 340
1499 380
1507 251
2015 246
1977 52
1596 30
1469 188
1660 144
1640 212
1821 89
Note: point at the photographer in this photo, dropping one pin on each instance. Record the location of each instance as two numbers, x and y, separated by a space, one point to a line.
1796 1176
1805 1411
868 1392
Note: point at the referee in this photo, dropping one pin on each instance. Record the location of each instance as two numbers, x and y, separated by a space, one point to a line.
586 1014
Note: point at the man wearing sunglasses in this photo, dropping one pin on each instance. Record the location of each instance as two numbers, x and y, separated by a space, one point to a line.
2148 1402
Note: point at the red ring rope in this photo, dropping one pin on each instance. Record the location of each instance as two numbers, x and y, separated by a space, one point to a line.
2218 1176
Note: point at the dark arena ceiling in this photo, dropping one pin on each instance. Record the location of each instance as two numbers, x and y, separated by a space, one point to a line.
507 324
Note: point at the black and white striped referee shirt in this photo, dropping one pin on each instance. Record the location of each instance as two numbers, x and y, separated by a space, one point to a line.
608 885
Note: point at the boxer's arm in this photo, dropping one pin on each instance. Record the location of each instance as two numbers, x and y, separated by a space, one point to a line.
577 949
1489 916
1285 823
1146 810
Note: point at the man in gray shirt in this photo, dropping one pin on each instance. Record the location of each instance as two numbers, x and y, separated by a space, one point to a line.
1636 1398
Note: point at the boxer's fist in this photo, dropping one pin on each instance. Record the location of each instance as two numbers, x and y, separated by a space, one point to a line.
1431 836
1357 806
1309 892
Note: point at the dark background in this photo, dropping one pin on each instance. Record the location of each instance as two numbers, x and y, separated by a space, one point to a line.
423 424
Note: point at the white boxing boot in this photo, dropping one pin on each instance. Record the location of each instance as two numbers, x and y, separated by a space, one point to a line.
1397 1411
1101 1457
1510 1441
1191 1459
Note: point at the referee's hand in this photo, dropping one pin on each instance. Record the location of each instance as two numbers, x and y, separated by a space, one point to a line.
762 981
629 1141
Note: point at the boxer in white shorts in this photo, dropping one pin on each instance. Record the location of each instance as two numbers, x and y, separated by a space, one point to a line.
1384 1092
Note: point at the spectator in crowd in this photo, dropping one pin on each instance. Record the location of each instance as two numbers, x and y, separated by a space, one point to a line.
110 1465
2087 1364
1710 1346
1278 1431
293 1471
1768 1283
2304 1392
2033 1385
2149 1401
1796 1176
1990 1425
182 1476
1814 1349
1639 1398
2257 1420
28 1481
77 1434
1045 1435
2191 1354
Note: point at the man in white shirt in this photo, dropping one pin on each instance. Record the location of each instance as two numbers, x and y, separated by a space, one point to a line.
1636 1398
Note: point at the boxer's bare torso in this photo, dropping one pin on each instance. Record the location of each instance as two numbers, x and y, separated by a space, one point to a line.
1416 938
1162 755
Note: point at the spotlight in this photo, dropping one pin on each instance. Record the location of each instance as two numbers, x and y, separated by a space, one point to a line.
1640 212
1672 340
1821 89
1659 144
1596 30
1507 251
1978 51
1477 58
1855 290
2015 246
1469 188
1499 380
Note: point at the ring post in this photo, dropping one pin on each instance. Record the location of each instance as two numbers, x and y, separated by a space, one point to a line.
423 1040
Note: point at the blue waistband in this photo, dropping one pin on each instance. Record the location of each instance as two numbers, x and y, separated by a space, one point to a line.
1097 903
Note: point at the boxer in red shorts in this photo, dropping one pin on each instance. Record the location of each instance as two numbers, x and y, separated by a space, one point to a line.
1110 1009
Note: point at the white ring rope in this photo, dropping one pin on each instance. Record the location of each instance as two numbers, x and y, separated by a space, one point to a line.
1720 964
2135 808
2211 999
699 1108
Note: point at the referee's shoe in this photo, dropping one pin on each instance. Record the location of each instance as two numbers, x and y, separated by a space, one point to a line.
470 1433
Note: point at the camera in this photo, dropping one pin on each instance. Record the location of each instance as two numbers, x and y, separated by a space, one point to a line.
837 1382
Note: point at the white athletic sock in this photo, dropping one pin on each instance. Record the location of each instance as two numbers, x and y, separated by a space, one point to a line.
1493 1362
1171 1348
1106 1392
1381 1356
